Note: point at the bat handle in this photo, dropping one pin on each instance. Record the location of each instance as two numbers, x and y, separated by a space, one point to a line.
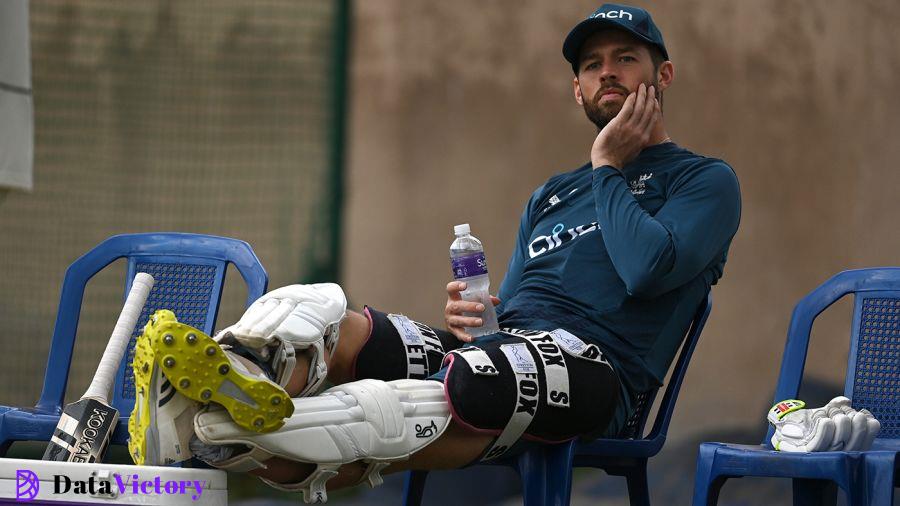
121 335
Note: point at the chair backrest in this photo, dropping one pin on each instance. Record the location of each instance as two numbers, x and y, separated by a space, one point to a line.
634 427
631 442
873 369
189 270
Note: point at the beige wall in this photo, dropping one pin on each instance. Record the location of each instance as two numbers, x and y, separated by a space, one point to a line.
460 109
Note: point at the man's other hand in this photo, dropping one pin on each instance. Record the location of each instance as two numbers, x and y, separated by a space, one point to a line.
454 312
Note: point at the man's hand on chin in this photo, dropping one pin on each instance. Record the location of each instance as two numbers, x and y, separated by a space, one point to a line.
629 132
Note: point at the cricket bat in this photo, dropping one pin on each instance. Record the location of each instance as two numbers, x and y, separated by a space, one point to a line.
87 425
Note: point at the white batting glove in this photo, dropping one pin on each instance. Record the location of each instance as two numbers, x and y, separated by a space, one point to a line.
798 429
833 427
864 426
297 314
289 320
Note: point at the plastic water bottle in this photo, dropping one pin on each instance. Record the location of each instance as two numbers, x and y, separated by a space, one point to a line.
470 266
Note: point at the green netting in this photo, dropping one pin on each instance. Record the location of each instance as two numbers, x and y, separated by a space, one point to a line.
217 117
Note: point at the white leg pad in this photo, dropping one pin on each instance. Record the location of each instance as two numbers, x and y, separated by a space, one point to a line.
373 421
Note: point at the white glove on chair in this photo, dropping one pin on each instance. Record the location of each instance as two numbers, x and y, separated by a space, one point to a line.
833 427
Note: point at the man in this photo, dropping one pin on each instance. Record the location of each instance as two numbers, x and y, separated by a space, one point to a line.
611 262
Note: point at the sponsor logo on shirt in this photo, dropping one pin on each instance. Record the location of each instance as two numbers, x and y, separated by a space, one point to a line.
559 236
639 186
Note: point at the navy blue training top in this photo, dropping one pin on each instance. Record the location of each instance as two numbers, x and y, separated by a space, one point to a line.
623 259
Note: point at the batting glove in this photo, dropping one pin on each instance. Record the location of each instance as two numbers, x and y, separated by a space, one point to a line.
292 319
833 427
297 314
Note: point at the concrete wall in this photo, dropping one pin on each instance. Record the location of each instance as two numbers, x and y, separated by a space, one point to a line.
460 109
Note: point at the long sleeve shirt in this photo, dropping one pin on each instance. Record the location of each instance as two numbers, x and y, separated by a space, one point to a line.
624 258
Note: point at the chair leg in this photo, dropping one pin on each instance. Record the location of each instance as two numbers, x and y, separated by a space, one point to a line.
414 487
532 468
638 490
809 492
707 486
879 478
714 488
559 467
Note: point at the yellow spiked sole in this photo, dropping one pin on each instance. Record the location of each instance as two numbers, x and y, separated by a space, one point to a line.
199 369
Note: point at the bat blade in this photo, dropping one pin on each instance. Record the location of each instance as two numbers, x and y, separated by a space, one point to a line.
83 432
86 425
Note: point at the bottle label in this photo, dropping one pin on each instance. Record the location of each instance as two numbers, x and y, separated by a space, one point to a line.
469 265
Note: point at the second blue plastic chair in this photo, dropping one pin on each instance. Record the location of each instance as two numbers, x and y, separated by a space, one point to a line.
872 382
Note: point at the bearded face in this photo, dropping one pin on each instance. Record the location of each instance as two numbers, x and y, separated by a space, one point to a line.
608 101
613 64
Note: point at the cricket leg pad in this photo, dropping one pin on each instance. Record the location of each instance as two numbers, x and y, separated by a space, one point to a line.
373 421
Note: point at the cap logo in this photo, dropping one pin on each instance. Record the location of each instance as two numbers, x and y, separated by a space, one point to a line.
620 14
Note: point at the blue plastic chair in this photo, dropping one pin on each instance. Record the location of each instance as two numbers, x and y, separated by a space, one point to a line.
872 382
546 470
189 270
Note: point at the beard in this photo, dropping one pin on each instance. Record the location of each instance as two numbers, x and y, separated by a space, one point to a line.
601 114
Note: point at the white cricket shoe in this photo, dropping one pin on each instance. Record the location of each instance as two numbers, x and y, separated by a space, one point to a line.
179 369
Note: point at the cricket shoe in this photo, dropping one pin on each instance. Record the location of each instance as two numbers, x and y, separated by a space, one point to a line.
161 423
177 370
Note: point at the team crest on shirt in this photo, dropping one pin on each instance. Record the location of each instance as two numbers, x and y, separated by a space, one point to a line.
639 186
558 236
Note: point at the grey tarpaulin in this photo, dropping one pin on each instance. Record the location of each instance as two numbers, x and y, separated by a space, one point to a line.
16 111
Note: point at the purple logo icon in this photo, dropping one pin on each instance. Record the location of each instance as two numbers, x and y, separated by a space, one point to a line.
27 485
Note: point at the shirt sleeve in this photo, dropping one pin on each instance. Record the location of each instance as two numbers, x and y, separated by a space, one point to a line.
517 260
656 254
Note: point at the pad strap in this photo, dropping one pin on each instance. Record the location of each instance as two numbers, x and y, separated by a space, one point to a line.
285 360
313 487
245 462
332 333
478 361
418 340
318 369
528 390
555 372
574 346
373 473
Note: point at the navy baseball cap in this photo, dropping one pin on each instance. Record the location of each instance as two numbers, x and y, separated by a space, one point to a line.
633 20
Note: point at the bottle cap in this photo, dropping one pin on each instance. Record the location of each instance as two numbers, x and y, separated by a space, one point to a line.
461 229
